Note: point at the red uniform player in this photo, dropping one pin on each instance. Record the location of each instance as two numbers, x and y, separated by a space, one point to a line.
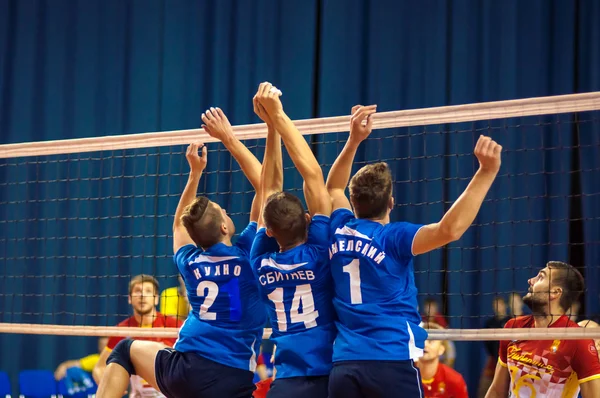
548 368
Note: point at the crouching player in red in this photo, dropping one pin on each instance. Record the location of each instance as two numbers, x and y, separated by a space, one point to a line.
439 380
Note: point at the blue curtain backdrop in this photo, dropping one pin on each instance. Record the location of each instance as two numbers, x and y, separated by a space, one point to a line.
82 68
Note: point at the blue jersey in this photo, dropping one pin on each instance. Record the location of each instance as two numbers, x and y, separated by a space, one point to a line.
297 288
227 318
375 292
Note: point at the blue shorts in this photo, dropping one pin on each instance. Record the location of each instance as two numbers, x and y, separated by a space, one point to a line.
299 387
185 374
375 379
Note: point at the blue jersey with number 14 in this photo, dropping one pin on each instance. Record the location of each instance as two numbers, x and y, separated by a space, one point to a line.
297 289
375 292
226 322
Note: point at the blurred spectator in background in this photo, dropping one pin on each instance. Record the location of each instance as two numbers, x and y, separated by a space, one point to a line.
264 385
431 313
173 301
86 363
591 324
143 297
491 347
516 304
439 380
264 365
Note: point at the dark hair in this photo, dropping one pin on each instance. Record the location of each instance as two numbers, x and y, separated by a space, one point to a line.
203 222
370 190
284 215
141 279
569 279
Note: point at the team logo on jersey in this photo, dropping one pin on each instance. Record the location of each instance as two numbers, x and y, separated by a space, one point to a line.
592 349
516 354
442 387
555 345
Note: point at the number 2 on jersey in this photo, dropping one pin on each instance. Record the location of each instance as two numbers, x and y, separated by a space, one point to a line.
212 290
302 296
353 270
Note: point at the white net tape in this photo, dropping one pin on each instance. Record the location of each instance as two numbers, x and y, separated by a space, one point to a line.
420 117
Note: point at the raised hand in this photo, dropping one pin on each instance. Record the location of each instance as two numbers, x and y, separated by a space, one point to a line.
268 96
361 122
217 125
488 153
197 163
261 112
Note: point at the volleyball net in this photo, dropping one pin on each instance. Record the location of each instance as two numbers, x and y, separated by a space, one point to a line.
81 217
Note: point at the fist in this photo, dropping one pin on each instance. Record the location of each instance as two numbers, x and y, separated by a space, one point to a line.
488 153
268 96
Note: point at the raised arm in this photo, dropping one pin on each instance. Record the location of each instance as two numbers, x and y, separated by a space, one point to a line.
272 171
315 193
361 125
463 212
217 125
197 166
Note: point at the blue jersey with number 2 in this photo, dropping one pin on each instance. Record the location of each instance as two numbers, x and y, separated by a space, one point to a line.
227 318
297 289
375 292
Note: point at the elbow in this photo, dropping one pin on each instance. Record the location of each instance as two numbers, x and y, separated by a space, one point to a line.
451 233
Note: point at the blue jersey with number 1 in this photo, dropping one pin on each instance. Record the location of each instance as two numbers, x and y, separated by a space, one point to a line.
297 289
375 292
227 318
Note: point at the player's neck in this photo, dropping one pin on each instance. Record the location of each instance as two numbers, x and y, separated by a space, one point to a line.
383 221
545 320
429 368
226 241
145 320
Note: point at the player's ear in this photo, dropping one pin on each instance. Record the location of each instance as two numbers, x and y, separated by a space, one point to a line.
156 296
391 203
442 348
224 229
308 218
269 233
556 292
129 299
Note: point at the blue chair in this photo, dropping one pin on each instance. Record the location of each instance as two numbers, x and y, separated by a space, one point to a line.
5 387
37 384
77 383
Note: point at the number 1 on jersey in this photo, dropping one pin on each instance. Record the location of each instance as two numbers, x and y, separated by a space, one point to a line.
353 270
302 296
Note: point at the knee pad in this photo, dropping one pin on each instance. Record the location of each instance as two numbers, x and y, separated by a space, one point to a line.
121 356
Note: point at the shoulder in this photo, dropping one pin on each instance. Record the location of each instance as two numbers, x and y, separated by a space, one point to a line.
184 252
451 374
341 216
172 322
520 322
129 322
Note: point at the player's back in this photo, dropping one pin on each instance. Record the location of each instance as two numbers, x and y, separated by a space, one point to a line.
227 318
297 288
375 292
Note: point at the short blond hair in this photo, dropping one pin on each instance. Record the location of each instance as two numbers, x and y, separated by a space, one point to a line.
141 279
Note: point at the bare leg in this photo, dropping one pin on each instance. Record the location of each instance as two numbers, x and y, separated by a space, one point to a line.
114 382
116 379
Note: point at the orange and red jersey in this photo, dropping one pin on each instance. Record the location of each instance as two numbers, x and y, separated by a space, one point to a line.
160 321
548 368
262 388
447 383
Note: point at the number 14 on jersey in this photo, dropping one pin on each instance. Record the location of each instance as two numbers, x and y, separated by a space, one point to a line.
302 297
